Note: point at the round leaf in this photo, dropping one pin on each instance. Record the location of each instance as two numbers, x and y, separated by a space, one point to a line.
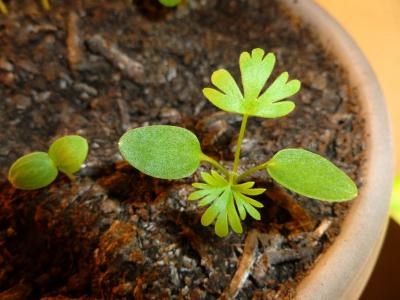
311 175
69 153
162 151
32 171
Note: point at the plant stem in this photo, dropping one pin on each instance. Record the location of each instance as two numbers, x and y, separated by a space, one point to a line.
215 164
71 177
239 143
251 171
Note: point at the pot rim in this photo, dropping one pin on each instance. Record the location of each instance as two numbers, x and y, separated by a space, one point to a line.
344 269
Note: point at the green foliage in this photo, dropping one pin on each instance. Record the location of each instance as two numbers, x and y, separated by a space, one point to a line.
224 196
171 152
69 153
311 175
255 70
170 3
162 151
395 202
32 171
39 169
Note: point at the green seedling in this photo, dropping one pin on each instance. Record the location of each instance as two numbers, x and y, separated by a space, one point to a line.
170 3
170 152
39 169
395 201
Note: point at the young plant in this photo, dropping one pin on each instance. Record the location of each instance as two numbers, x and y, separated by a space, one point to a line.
39 169
171 152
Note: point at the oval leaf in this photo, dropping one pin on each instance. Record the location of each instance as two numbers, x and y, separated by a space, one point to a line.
32 171
69 153
162 151
311 175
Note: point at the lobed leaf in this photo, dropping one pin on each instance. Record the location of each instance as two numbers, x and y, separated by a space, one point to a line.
162 151
255 69
311 175
69 153
32 171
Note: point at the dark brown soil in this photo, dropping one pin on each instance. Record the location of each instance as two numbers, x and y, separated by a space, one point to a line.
99 69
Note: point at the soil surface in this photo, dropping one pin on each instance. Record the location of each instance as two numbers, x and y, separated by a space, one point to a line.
99 69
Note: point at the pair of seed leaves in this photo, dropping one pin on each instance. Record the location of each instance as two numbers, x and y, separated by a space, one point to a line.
39 169
171 152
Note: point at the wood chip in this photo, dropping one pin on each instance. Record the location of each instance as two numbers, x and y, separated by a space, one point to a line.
131 68
244 268
73 40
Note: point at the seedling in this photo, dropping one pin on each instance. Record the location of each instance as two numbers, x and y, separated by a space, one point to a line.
39 169
171 152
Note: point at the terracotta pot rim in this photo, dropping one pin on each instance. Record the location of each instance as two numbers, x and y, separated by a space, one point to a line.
343 271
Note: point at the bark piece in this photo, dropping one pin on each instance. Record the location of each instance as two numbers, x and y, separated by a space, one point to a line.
131 68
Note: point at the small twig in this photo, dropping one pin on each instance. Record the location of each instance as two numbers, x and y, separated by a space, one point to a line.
284 255
124 113
321 229
286 201
73 40
115 56
245 265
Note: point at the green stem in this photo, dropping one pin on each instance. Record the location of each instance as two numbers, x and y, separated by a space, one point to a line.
251 171
215 164
239 143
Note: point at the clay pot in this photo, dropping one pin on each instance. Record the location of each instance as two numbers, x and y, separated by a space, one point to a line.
343 271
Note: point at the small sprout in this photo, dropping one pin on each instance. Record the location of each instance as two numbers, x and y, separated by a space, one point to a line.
69 153
38 169
171 152
169 3
32 171
395 201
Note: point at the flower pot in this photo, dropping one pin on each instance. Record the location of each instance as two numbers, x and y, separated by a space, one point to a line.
343 271
120 234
